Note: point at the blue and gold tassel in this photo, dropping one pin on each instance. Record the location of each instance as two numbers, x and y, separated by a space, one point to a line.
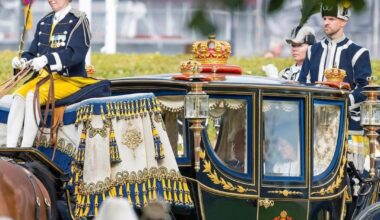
128 188
180 191
82 146
137 197
158 146
144 192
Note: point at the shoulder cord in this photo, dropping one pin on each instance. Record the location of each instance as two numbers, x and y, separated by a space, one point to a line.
86 30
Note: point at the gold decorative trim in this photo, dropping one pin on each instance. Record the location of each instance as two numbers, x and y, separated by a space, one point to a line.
338 181
283 216
139 188
92 132
266 203
119 109
68 148
285 192
213 175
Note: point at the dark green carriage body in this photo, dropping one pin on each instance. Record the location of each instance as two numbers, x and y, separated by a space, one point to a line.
222 191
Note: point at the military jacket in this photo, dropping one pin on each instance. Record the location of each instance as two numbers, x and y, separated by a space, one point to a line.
345 55
64 45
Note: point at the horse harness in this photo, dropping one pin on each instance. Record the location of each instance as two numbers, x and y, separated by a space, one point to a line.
49 103
37 193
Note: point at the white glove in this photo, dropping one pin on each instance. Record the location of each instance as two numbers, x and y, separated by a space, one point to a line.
18 63
270 70
38 63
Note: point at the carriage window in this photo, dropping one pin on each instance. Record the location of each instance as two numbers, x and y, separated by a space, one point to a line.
326 130
281 143
172 114
227 132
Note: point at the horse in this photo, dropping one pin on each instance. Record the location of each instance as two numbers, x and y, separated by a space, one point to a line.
23 195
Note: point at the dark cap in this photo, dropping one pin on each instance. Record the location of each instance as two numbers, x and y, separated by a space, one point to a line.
340 10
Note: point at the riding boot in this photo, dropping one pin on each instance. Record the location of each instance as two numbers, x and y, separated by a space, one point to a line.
15 120
31 123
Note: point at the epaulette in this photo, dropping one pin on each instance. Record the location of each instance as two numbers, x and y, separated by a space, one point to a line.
77 13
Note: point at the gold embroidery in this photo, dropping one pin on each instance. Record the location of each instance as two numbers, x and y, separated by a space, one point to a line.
336 184
94 131
132 138
213 175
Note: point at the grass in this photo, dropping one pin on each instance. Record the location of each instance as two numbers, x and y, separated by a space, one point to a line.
123 65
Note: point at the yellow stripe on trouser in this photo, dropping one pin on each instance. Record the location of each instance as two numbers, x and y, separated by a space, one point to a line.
63 86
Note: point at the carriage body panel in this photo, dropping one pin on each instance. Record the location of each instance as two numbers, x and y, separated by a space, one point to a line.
269 108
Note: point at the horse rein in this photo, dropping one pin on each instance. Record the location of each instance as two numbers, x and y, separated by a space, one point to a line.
50 102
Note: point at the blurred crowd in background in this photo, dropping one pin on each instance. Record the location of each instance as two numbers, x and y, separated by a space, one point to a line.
149 26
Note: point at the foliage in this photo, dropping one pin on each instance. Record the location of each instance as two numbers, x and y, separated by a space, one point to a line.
123 65
310 7
313 5
201 22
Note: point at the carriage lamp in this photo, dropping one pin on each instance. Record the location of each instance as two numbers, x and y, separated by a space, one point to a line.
196 111
370 118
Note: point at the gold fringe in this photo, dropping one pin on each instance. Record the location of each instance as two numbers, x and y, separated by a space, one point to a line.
187 194
181 192
113 191
129 193
175 192
164 189
88 203
117 104
96 205
137 198
144 194
150 196
170 199
121 191
154 189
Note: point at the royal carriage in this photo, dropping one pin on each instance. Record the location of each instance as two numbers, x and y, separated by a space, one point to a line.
212 142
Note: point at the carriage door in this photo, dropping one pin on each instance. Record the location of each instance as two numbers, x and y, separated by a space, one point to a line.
283 187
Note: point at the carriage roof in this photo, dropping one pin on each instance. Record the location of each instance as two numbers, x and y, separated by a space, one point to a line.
243 81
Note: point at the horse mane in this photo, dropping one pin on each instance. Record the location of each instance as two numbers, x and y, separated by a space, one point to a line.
50 182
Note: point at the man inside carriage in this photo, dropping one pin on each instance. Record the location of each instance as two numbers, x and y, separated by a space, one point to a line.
59 48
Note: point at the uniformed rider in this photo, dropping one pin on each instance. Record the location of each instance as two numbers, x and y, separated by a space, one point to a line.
60 45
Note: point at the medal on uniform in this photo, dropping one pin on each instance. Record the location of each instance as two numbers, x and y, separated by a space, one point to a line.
57 40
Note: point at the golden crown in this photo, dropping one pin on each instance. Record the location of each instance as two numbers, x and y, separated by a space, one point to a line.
335 75
211 51
189 66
